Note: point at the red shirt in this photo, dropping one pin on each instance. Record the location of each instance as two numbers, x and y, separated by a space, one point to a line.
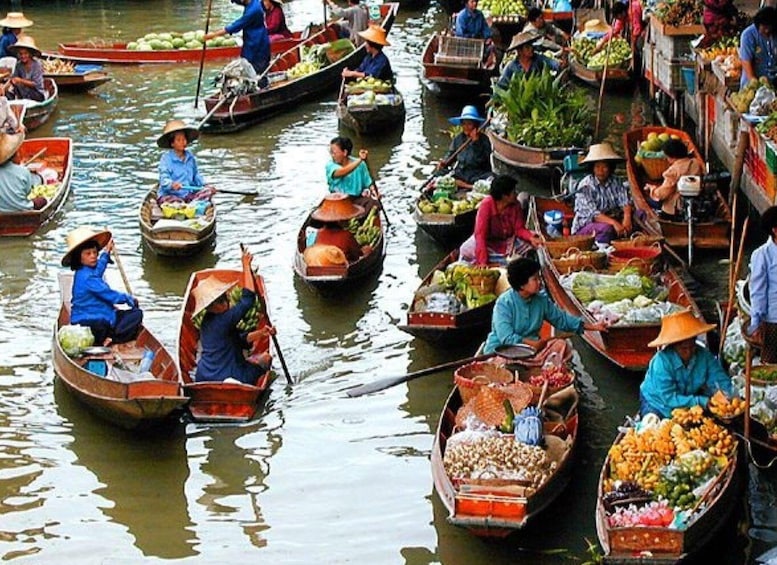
341 238
275 22
495 230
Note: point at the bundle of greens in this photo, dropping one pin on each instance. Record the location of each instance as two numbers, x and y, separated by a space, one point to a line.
628 283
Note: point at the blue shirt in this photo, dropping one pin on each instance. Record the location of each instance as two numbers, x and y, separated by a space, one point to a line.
472 24
222 345
760 51
516 318
93 299
669 384
172 169
15 185
256 40
593 198
763 285
8 38
538 64
352 184
377 66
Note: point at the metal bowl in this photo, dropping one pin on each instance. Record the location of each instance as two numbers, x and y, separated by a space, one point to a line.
95 350
517 351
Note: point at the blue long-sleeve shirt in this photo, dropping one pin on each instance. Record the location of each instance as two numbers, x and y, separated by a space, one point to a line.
377 66
256 40
92 298
8 38
173 169
763 285
516 318
669 384
472 24
538 63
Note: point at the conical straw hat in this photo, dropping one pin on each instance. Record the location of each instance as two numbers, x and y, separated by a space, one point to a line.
601 152
81 235
207 291
375 34
679 327
15 20
337 207
164 141
24 42
9 145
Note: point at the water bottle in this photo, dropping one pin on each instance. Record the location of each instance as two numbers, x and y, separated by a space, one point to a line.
145 363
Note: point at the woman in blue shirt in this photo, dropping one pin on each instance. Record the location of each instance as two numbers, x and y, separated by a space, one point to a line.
526 61
13 24
346 173
375 63
681 374
179 178
93 302
471 23
758 48
763 289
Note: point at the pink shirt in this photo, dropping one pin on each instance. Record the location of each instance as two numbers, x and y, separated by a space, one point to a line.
495 230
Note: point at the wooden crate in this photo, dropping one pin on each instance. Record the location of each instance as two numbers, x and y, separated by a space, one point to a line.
671 45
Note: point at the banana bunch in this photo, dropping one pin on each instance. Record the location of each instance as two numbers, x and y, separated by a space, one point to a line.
47 191
58 66
250 320
368 231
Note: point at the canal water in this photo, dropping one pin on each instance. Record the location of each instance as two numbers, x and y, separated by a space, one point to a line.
319 477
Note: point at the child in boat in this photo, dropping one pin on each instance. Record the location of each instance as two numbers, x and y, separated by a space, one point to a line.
665 197
93 302
222 343
179 178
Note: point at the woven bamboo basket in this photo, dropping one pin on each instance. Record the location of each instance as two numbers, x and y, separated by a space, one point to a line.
654 167
488 405
557 247
484 283
472 376
643 258
574 260
637 239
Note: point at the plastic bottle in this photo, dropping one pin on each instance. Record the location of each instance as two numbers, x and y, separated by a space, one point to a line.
145 363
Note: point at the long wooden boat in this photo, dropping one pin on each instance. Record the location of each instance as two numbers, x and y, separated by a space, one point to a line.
58 155
171 237
232 114
373 118
116 52
449 230
82 78
443 327
135 402
496 508
713 234
665 545
451 77
616 77
526 158
626 345
217 401
37 113
334 277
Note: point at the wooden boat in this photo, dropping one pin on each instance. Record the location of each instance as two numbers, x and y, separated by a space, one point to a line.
134 402
337 276
664 545
116 52
38 113
454 64
58 155
714 234
173 237
82 78
617 77
446 328
373 118
235 113
524 157
217 401
626 345
496 508
448 230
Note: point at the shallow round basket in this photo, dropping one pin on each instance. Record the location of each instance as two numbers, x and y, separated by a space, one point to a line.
524 376
643 258
557 247
488 405
574 260
654 167
471 377
757 374
637 239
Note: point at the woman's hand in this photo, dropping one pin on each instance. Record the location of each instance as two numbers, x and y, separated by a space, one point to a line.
627 224
536 240
619 228
175 185
597 327
108 246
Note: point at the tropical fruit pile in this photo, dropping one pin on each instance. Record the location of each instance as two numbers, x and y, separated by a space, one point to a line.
175 40
741 100
446 205
303 68
583 46
679 12
368 231
368 83
47 191
503 7
724 46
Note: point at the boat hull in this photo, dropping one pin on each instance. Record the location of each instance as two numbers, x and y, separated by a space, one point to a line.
525 158
175 240
453 80
449 230
79 82
373 119
38 113
616 77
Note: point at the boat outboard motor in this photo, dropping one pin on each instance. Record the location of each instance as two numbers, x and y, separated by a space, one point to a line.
237 78
689 187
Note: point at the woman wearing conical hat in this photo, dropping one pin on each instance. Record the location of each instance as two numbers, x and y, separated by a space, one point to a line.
179 178
375 63
26 82
13 25
681 374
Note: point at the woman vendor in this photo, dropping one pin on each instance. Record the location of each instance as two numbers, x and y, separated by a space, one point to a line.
520 312
26 82
474 161
222 343
337 208
16 180
500 226
665 197
93 301
526 61
13 24
275 20
763 289
758 47
345 173
375 63
603 204
179 178
681 374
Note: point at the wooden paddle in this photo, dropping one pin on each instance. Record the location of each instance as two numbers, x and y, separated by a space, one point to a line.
601 86
117 258
38 154
224 190
202 58
374 188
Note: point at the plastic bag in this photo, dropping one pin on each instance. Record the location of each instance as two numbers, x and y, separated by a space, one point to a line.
75 338
760 106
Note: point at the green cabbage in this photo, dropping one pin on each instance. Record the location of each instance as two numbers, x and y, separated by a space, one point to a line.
75 338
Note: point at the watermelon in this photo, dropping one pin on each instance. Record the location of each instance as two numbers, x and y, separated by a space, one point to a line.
178 43
132 45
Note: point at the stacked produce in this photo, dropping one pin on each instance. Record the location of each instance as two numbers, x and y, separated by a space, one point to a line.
249 321
583 46
303 68
763 399
679 12
741 100
724 46
650 514
366 232
176 40
459 288
537 110
47 191
58 66
504 10
724 407
454 205
368 83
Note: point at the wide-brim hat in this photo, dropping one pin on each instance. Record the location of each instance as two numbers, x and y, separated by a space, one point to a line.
467 113
337 207
375 34
24 42
9 145
81 235
15 20
172 126
596 25
207 291
679 327
600 152
523 38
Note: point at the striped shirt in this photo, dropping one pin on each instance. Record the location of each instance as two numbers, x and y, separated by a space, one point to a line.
593 197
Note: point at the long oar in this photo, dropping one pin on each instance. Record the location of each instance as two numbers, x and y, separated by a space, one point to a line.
213 110
202 58
601 87
732 287
377 194
225 190
38 154
117 258
383 384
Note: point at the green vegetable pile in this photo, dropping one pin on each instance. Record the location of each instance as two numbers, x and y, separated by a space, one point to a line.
75 338
619 55
458 278
628 283
541 112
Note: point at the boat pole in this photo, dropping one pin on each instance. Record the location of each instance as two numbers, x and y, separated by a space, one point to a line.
202 58
732 287
374 188
123 274
690 232
601 86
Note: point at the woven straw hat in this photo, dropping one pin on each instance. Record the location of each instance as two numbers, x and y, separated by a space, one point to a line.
9 145
375 34
207 291
80 236
173 126
520 39
596 26
679 327
337 207
601 152
467 113
15 20
24 42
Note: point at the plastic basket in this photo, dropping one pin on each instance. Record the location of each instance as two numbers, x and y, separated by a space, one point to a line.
642 258
573 260
637 239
